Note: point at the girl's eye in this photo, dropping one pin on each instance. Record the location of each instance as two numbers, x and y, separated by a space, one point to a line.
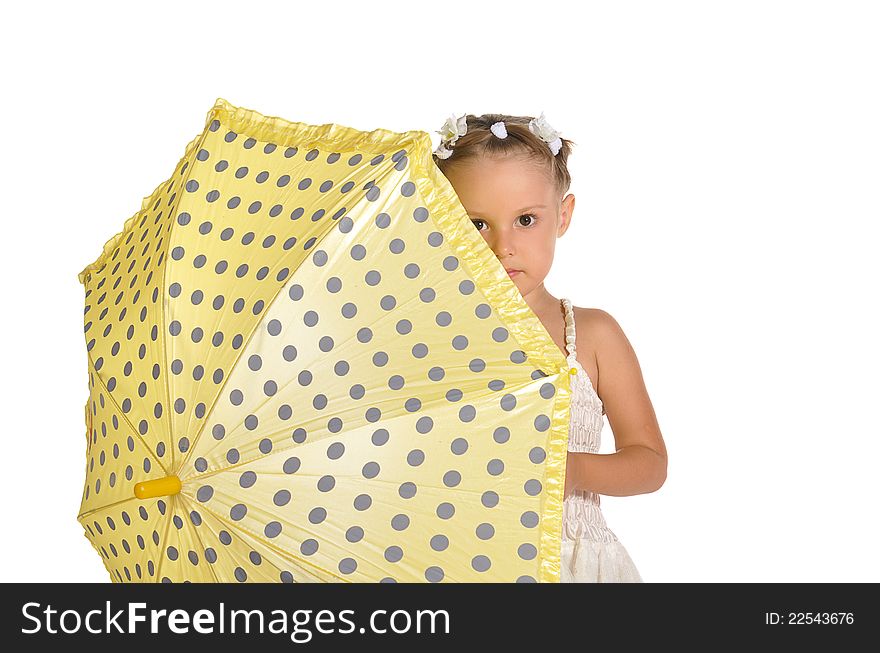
530 217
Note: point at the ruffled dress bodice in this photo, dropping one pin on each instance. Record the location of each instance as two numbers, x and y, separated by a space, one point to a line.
591 551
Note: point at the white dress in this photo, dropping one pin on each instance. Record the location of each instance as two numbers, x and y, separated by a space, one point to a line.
591 552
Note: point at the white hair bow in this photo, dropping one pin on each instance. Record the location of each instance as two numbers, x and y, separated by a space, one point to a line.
542 129
449 133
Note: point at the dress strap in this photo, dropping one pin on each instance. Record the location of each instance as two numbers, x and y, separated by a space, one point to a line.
570 333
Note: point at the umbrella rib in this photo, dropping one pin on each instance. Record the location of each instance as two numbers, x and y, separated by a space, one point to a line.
169 425
164 540
126 420
87 513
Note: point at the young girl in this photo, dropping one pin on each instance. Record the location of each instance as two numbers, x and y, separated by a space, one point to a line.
511 176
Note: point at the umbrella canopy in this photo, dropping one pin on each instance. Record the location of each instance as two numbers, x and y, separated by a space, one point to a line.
305 364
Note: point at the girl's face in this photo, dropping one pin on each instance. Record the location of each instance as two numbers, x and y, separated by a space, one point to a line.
516 209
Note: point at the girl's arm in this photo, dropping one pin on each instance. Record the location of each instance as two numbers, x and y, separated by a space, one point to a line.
639 464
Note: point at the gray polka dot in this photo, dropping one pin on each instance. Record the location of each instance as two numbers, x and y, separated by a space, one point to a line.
467 413
542 422
295 292
481 563
388 302
434 574
400 522
508 402
407 490
393 554
415 457
495 467
420 214
354 534
371 470
529 519
273 529
532 487
501 434
362 502
527 551
411 270
395 382
334 284
439 542
460 342
232 456
485 531
403 327
335 450
372 278
548 390
205 493
526 579
436 373
265 445
349 310
396 246
420 350
459 446
281 498
238 512
247 479
291 465
407 189
273 327
489 499
317 515
477 365
451 478
326 483
308 547
427 295
537 455
347 565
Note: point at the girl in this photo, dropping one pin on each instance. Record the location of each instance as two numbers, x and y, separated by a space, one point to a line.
511 176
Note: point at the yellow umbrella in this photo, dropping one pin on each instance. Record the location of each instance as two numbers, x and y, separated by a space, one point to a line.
305 364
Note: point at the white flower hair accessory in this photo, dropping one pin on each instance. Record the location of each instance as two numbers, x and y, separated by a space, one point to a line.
499 129
542 129
449 133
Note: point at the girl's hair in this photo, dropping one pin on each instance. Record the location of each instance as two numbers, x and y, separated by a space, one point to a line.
479 141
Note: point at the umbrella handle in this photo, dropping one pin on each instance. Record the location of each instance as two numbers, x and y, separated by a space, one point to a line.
157 488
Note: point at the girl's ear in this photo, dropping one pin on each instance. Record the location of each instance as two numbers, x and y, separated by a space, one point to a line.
566 210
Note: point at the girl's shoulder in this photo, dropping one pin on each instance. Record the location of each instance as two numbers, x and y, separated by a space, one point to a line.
596 330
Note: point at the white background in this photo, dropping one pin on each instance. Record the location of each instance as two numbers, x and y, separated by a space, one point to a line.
726 173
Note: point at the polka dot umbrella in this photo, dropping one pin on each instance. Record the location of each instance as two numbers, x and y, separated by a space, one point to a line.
305 364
